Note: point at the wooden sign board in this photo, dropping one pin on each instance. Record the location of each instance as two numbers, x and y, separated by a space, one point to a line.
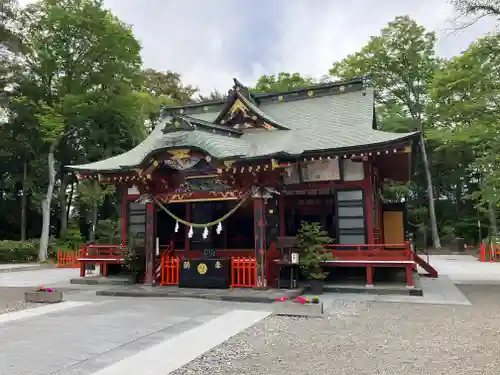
321 170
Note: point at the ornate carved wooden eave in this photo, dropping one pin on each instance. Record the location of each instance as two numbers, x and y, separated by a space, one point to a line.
248 173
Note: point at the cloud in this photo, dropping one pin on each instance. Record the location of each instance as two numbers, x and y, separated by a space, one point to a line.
315 34
209 42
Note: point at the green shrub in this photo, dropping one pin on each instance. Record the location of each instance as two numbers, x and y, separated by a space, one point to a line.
18 251
72 238
24 251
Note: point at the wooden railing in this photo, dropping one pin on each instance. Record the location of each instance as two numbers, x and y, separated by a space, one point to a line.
489 253
243 272
371 252
169 269
102 252
67 259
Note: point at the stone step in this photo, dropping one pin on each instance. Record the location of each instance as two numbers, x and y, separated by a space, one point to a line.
99 280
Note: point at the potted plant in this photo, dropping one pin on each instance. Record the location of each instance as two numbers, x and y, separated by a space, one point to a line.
44 295
135 263
310 240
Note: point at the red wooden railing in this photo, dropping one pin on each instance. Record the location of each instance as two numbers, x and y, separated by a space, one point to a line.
169 265
102 255
102 252
243 272
385 252
490 253
67 259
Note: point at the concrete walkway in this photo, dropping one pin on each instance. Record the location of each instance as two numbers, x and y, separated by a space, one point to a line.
466 269
46 277
20 267
98 337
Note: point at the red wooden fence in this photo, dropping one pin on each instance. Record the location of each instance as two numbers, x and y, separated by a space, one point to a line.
169 274
67 259
243 272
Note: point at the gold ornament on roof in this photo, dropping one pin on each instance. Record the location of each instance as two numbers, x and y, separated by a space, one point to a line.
180 153
238 105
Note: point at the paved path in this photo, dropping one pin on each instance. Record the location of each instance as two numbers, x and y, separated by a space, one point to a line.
47 277
95 337
19 267
466 269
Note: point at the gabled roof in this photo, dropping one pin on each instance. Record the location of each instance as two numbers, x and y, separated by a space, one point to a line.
329 117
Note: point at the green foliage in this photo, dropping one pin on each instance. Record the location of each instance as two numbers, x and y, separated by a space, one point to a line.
282 82
22 251
18 251
310 240
72 238
135 261
108 232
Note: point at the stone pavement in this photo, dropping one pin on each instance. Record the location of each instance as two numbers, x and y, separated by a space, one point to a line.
20 267
47 277
92 337
466 269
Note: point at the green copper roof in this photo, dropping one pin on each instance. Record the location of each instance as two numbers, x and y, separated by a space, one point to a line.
317 121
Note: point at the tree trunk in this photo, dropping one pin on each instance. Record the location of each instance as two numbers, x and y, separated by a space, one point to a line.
493 221
94 220
44 238
430 194
62 205
24 200
70 201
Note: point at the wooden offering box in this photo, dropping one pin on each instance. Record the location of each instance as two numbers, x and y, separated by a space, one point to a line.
205 273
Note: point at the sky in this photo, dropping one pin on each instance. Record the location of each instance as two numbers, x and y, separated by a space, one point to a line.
211 41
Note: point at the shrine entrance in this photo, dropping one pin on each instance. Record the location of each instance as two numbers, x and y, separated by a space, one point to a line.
236 231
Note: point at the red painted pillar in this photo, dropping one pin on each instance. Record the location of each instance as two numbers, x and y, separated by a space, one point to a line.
259 224
149 244
369 275
409 276
368 194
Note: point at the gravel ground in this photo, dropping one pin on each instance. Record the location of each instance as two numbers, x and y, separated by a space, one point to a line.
12 299
371 338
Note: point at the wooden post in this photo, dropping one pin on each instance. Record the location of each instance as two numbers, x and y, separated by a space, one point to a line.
369 276
409 276
149 245
259 223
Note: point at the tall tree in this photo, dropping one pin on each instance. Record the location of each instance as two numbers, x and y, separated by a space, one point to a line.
214 95
282 82
467 110
168 84
10 44
74 47
477 8
401 62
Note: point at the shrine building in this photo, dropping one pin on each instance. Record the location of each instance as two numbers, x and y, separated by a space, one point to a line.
233 176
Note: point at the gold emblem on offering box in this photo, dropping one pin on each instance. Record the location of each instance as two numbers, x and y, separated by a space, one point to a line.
218 265
186 264
202 268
